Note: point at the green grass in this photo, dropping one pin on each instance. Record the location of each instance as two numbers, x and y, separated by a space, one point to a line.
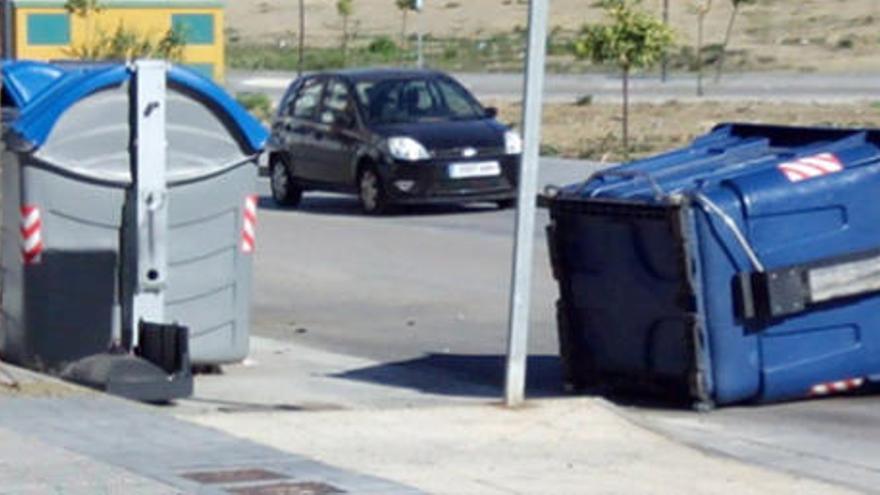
497 53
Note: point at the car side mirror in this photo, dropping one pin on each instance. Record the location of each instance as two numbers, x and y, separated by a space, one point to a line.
491 112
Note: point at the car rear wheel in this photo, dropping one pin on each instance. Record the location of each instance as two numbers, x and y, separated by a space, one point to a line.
285 191
374 200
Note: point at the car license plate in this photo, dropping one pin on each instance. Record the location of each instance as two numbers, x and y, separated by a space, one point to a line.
474 169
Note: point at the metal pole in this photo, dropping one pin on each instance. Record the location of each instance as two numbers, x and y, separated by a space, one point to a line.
421 59
151 194
521 278
7 29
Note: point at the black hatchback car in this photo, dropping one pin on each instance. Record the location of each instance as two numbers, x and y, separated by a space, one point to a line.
392 137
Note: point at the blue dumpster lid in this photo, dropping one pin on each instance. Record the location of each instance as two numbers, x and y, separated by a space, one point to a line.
24 80
46 104
731 151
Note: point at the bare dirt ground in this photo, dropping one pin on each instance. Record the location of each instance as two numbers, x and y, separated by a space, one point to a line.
808 35
593 131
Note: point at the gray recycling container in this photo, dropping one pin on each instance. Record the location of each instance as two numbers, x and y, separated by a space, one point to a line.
65 238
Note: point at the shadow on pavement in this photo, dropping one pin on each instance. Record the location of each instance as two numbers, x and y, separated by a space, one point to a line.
463 375
349 206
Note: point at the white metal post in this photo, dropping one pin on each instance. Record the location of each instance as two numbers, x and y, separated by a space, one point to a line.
151 195
521 279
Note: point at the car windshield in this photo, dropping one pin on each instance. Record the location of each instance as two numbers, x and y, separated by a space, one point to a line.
416 99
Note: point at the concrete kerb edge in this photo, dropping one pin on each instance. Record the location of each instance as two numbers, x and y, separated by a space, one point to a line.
25 376
639 421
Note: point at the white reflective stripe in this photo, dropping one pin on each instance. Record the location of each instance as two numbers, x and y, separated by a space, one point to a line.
249 229
826 165
793 176
31 218
808 170
250 203
820 389
32 242
246 246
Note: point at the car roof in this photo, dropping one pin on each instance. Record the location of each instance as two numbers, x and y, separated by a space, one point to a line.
375 74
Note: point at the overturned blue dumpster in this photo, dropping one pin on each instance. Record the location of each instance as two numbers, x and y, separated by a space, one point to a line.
745 267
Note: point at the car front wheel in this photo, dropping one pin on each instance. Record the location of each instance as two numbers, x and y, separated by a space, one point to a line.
285 191
374 200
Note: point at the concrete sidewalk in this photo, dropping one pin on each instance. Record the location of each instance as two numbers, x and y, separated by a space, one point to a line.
60 439
447 434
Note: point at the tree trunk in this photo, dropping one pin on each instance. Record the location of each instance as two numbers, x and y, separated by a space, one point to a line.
726 42
344 41
700 18
403 31
302 37
664 64
626 112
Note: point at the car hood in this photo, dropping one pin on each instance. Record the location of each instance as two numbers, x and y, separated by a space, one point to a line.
484 133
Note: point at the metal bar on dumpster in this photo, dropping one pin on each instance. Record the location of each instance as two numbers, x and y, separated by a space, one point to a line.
521 278
151 194
794 289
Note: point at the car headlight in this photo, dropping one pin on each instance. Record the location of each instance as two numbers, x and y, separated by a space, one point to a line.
513 144
408 149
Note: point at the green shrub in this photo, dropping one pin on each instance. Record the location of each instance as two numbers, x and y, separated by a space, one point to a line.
258 104
383 45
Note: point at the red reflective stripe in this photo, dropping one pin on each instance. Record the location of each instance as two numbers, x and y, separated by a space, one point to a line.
31 234
811 166
249 224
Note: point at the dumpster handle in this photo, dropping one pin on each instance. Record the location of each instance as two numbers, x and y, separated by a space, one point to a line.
659 193
711 207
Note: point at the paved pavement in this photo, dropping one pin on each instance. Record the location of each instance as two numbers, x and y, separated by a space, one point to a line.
60 439
770 87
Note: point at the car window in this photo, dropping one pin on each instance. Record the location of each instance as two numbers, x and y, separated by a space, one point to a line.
337 103
457 98
305 106
414 99
284 106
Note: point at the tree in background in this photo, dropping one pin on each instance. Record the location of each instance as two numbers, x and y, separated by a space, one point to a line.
87 10
345 9
300 50
664 70
633 39
736 5
405 7
701 7
123 43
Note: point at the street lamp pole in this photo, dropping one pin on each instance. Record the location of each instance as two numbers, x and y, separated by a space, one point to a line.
521 278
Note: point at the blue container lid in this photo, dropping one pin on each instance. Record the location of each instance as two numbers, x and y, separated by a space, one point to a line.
22 81
44 92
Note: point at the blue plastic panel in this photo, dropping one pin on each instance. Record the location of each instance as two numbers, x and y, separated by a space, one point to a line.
23 81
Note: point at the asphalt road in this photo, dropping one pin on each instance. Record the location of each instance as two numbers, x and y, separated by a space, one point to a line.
426 291
427 280
771 87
